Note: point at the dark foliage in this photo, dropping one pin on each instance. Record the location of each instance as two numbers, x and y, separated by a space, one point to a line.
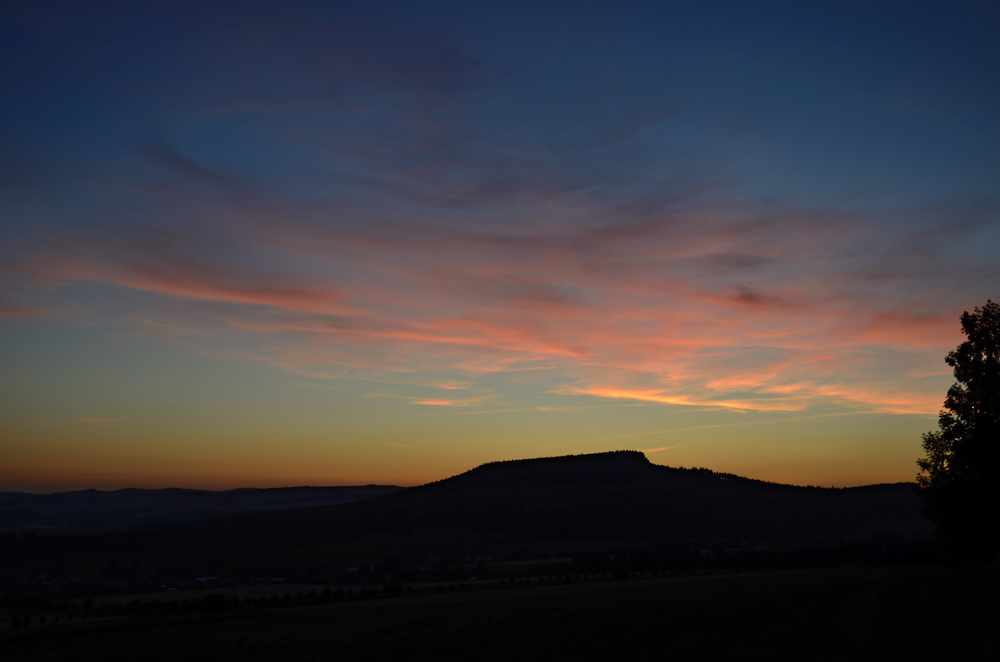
958 479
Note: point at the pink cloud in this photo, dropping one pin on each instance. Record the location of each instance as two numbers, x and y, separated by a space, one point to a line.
706 311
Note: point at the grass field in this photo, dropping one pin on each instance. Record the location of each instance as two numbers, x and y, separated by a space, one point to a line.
889 613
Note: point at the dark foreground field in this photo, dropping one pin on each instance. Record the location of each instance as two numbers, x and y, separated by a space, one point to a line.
889 613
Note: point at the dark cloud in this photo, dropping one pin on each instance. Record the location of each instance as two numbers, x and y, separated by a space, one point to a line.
753 297
734 261
179 164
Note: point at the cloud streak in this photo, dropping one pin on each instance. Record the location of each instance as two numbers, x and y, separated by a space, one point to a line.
396 205
685 308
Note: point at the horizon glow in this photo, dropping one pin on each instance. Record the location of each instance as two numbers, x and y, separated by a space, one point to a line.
266 244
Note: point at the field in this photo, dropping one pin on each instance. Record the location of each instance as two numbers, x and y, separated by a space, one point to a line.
888 613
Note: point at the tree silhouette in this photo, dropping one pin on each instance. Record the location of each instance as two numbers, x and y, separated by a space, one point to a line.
958 480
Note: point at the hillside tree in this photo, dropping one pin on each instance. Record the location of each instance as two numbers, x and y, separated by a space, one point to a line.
959 478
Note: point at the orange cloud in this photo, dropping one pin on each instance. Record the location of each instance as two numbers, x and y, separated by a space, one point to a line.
646 395
463 402
442 403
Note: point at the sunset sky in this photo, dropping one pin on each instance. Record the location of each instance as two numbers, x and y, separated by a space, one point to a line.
327 243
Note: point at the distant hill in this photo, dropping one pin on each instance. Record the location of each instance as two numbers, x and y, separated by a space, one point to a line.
617 496
97 510
606 500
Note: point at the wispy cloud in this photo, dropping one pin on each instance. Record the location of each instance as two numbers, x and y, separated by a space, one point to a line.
442 403
394 224
164 327
658 312
464 402
767 421
8 307
18 312
649 395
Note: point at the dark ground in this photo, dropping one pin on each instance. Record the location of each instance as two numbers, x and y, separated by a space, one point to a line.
887 613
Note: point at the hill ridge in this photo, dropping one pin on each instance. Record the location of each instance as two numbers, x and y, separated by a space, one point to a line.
638 459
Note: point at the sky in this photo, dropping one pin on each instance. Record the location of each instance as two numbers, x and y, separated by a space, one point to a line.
287 243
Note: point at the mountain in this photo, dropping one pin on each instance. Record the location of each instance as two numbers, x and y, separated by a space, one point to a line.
606 500
621 496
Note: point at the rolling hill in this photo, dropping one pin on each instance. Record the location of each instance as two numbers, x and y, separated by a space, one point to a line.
615 500
619 496
87 511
